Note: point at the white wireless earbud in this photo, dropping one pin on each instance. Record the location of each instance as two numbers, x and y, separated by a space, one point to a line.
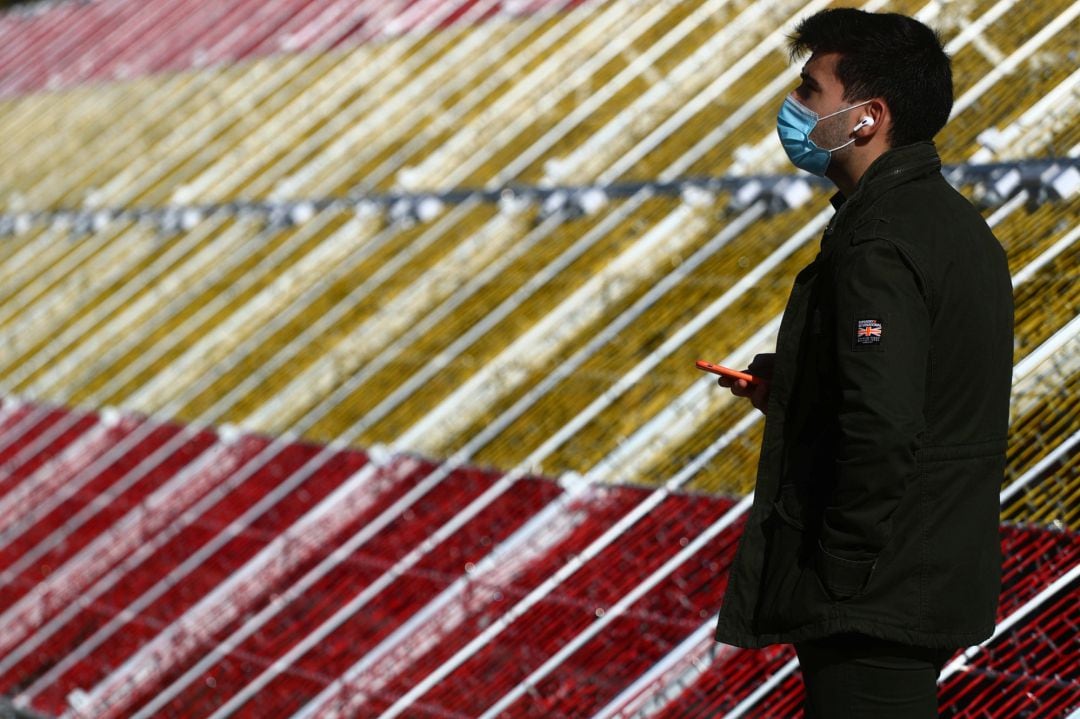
866 121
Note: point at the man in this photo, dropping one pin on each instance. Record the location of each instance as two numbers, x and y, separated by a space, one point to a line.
873 543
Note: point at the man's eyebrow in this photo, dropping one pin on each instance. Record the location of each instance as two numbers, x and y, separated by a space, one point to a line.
809 80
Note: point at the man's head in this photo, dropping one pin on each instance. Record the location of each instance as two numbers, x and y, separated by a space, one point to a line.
890 58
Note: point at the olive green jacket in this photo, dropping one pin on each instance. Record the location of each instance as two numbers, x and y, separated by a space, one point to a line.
876 505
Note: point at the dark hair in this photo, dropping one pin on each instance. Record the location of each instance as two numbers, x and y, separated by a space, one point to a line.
885 55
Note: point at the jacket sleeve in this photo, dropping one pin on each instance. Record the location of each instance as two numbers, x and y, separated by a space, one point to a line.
880 330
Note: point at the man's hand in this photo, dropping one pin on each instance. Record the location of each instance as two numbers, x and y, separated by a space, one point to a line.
761 366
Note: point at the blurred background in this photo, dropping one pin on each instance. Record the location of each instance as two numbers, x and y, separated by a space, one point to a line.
346 351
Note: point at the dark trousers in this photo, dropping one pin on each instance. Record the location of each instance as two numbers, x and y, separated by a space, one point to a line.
853 676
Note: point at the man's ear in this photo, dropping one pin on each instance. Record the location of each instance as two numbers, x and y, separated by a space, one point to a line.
873 118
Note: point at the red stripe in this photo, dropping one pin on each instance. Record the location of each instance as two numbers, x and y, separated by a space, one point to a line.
74 43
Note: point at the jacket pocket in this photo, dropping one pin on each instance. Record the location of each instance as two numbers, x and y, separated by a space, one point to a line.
842 578
788 508
791 592
837 578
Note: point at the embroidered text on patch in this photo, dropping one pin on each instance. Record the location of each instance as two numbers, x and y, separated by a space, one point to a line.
868 332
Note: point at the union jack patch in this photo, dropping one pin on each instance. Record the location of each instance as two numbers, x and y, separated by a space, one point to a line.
868 332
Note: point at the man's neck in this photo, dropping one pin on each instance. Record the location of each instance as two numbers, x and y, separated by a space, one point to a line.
846 175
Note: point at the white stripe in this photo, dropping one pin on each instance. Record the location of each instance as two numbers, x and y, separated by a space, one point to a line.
425 628
476 73
1047 349
1046 257
764 688
493 244
35 497
93 339
543 340
737 69
431 369
57 285
974 29
1061 21
604 145
1059 102
666 679
358 80
202 130
1011 205
572 566
1019 614
160 277
620 607
608 36
1060 451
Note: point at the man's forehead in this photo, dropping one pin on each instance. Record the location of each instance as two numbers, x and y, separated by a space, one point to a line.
821 68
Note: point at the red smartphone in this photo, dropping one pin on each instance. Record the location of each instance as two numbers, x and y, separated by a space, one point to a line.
727 372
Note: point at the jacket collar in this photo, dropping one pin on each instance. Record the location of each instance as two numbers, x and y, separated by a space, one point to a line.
893 167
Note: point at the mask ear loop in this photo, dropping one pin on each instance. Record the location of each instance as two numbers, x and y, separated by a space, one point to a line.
866 121
844 109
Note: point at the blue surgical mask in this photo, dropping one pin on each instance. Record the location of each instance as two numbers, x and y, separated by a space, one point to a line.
794 124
